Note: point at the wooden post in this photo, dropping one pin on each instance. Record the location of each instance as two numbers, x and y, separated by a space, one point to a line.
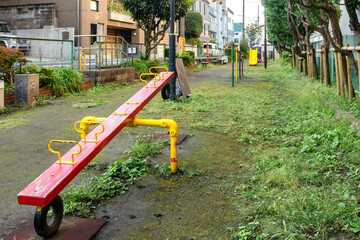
297 60
337 72
341 76
349 77
322 66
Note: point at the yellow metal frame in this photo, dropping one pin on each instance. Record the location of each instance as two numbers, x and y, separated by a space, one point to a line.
132 102
58 153
171 125
84 129
124 114
150 74
162 73
237 65
81 56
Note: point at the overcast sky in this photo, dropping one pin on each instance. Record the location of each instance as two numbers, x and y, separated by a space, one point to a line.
251 10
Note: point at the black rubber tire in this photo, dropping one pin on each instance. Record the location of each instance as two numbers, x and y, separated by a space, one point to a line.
46 229
165 92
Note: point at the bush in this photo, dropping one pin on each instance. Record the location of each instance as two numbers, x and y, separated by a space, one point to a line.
244 48
9 62
67 80
46 75
167 53
286 59
139 65
192 53
194 42
187 59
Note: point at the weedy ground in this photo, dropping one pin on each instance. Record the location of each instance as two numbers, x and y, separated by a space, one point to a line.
266 159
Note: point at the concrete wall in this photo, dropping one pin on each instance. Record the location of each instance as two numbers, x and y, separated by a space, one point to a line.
49 50
104 76
28 16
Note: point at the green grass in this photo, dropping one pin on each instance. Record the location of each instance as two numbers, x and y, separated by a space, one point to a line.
302 182
82 199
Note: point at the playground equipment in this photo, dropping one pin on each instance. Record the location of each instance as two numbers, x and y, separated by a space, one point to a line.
43 191
239 65
82 55
253 57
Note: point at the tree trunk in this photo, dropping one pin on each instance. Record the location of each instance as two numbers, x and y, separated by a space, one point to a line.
326 66
314 64
322 66
349 79
11 82
337 71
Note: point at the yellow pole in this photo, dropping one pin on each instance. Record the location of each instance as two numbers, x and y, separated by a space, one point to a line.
237 65
171 125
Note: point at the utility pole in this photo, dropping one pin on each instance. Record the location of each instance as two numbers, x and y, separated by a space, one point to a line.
243 38
172 50
265 44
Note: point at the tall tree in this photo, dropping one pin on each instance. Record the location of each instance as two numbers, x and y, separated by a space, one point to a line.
153 17
254 32
351 6
193 25
277 29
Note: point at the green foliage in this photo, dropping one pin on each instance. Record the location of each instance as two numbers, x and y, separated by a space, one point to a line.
194 25
10 59
194 42
244 48
254 32
154 18
214 41
116 6
167 52
278 32
67 80
142 66
187 58
46 75
192 53
286 59
82 199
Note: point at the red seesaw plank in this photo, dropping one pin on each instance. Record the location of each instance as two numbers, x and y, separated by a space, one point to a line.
51 182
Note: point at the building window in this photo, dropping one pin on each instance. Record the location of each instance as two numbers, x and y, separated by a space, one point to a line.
193 7
204 29
94 5
93 31
199 7
204 9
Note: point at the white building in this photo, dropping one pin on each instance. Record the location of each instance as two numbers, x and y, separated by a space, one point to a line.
202 6
230 27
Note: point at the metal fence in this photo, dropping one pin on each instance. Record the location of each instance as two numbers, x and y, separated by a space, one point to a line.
96 52
42 52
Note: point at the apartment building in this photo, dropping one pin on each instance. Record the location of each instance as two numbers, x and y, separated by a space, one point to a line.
202 6
87 17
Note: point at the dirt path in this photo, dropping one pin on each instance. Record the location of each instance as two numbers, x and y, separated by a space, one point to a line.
154 208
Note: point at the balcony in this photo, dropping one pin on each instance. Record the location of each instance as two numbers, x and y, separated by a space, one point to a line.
120 17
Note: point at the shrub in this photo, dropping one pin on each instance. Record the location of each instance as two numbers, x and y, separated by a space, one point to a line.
167 52
192 53
187 59
194 42
66 80
9 62
139 65
285 58
46 75
244 48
